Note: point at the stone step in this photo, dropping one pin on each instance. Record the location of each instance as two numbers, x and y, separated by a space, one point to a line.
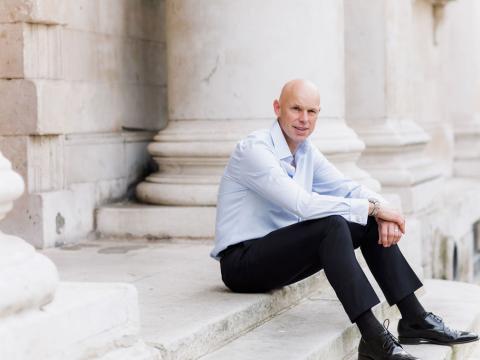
186 311
83 321
135 220
475 355
318 329
138 351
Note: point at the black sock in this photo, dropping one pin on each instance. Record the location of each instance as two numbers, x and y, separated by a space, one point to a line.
368 325
410 308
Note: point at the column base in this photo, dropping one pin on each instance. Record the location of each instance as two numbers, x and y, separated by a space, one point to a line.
27 278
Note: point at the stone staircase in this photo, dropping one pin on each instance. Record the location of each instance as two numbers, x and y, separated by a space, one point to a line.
187 313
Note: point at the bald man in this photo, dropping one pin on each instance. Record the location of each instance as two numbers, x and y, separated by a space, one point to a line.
285 212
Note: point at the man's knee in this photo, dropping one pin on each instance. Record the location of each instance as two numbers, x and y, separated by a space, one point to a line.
337 222
338 231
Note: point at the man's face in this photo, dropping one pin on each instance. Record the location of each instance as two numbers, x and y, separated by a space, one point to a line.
297 111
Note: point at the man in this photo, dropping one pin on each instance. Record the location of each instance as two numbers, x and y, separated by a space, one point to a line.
284 212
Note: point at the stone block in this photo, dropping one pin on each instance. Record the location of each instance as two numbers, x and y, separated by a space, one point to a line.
109 156
32 11
81 14
136 19
11 56
103 156
143 107
41 106
102 107
55 217
45 163
29 107
38 159
30 51
80 56
43 56
131 60
18 107
62 193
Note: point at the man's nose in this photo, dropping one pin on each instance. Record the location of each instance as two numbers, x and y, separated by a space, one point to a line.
304 116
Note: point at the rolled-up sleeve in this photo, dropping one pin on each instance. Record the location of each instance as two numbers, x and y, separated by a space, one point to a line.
327 179
257 168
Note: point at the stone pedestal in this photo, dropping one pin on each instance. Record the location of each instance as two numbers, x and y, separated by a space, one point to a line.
27 279
226 64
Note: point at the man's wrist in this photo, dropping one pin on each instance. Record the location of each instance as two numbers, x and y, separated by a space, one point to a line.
374 205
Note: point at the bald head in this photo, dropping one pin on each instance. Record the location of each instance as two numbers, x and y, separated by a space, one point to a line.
297 110
299 87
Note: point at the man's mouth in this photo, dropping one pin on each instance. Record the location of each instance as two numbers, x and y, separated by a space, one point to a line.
300 128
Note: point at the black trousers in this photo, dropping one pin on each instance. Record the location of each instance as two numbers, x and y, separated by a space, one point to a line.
295 252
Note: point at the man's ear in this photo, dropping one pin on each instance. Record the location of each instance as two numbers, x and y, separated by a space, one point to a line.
276 107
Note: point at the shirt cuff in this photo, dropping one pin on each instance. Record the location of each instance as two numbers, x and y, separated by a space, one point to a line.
359 211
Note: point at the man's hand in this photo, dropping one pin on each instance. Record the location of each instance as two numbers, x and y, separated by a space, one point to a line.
388 233
391 215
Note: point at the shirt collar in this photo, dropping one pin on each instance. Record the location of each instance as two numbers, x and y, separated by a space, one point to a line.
280 144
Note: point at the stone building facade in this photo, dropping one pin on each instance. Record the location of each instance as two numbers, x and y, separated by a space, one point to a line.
120 114
86 84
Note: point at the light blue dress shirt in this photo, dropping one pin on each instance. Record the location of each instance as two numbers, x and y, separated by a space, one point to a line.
261 191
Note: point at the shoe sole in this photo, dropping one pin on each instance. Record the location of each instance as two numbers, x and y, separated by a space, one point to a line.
418 341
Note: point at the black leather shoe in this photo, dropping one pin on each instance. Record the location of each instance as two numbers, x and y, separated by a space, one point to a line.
430 329
383 347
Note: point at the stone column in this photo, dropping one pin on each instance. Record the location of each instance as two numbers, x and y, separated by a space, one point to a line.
379 96
226 64
429 72
27 279
464 84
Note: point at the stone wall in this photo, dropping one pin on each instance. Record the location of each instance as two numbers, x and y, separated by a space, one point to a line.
82 90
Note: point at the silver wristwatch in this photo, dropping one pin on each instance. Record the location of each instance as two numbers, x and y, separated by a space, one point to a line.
376 207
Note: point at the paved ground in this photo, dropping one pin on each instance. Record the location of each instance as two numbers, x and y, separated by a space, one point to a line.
161 281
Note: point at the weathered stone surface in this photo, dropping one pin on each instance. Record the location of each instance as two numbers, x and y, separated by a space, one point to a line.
86 320
18 107
27 279
156 222
61 198
35 11
135 19
11 56
185 309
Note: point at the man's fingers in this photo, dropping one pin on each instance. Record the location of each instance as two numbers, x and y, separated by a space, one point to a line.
401 224
398 236
391 233
384 234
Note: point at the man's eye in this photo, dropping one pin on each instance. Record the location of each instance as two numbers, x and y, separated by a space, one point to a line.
296 108
312 112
